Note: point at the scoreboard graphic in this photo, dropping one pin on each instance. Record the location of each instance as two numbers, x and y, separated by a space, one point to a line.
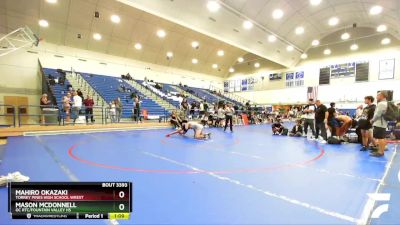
70 200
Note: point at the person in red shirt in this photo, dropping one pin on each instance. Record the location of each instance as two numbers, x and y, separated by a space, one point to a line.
88 102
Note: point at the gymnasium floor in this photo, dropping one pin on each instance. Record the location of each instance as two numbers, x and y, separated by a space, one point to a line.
248 177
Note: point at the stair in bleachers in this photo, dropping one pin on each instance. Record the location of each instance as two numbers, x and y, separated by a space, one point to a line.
58 90
169 88
107 87
190 95
157 95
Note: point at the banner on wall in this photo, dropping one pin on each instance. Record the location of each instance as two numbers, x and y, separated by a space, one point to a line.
244 85
231 86
386 69
226 86
238 85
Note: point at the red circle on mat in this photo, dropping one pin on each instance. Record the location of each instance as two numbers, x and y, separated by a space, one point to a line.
250 170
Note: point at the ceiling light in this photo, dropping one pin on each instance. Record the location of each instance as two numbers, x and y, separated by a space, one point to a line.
354 47
240 59
97 36
161 33
333 21
51 1
315 2
381 28
43 23
195 61
304 56
385 41
345 36
277 14
271 38
138 46
375 10
247 24
220 53
213 6
289 48
315 43
115 19
299 30
327 51
215 66
256 65
195 44
231 70
170 54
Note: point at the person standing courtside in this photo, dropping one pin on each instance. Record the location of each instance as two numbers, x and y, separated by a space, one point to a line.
229 111
309 111
321 121
88 102
380 124
364 122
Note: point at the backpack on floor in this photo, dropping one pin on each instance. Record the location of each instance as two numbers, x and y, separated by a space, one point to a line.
285 131
334 141
392 112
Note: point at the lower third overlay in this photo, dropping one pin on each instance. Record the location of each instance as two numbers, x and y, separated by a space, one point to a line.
70 200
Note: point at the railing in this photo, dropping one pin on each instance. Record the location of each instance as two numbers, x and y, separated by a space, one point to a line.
229 95
152 93
117 117
38 114
7 116
25 115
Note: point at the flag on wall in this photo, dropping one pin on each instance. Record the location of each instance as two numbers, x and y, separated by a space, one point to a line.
312 92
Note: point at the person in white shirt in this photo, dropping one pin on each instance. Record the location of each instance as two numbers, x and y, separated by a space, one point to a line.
220 117
113 111
229 112
309 115
76 105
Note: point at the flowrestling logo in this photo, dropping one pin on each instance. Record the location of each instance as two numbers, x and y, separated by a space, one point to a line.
380 209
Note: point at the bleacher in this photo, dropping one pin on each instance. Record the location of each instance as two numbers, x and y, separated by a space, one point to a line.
203 94
107 87
57 89
162 94
225 98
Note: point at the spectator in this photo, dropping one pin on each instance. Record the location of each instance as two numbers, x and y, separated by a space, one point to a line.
136 110
346 122
297 130
321 121
80 94
112 111
229 112
309 116
277 127
185 106
333 124
201 109
176 121
118 108
88 102
364 122
76 106
67 106
44 103
380 124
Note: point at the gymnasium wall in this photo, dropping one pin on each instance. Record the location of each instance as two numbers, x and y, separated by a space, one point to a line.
339 90
19 76
98 63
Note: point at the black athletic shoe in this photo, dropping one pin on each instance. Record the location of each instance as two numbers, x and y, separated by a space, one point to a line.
363 149
376 154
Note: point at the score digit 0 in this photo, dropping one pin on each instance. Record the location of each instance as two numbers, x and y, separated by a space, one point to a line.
121 194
